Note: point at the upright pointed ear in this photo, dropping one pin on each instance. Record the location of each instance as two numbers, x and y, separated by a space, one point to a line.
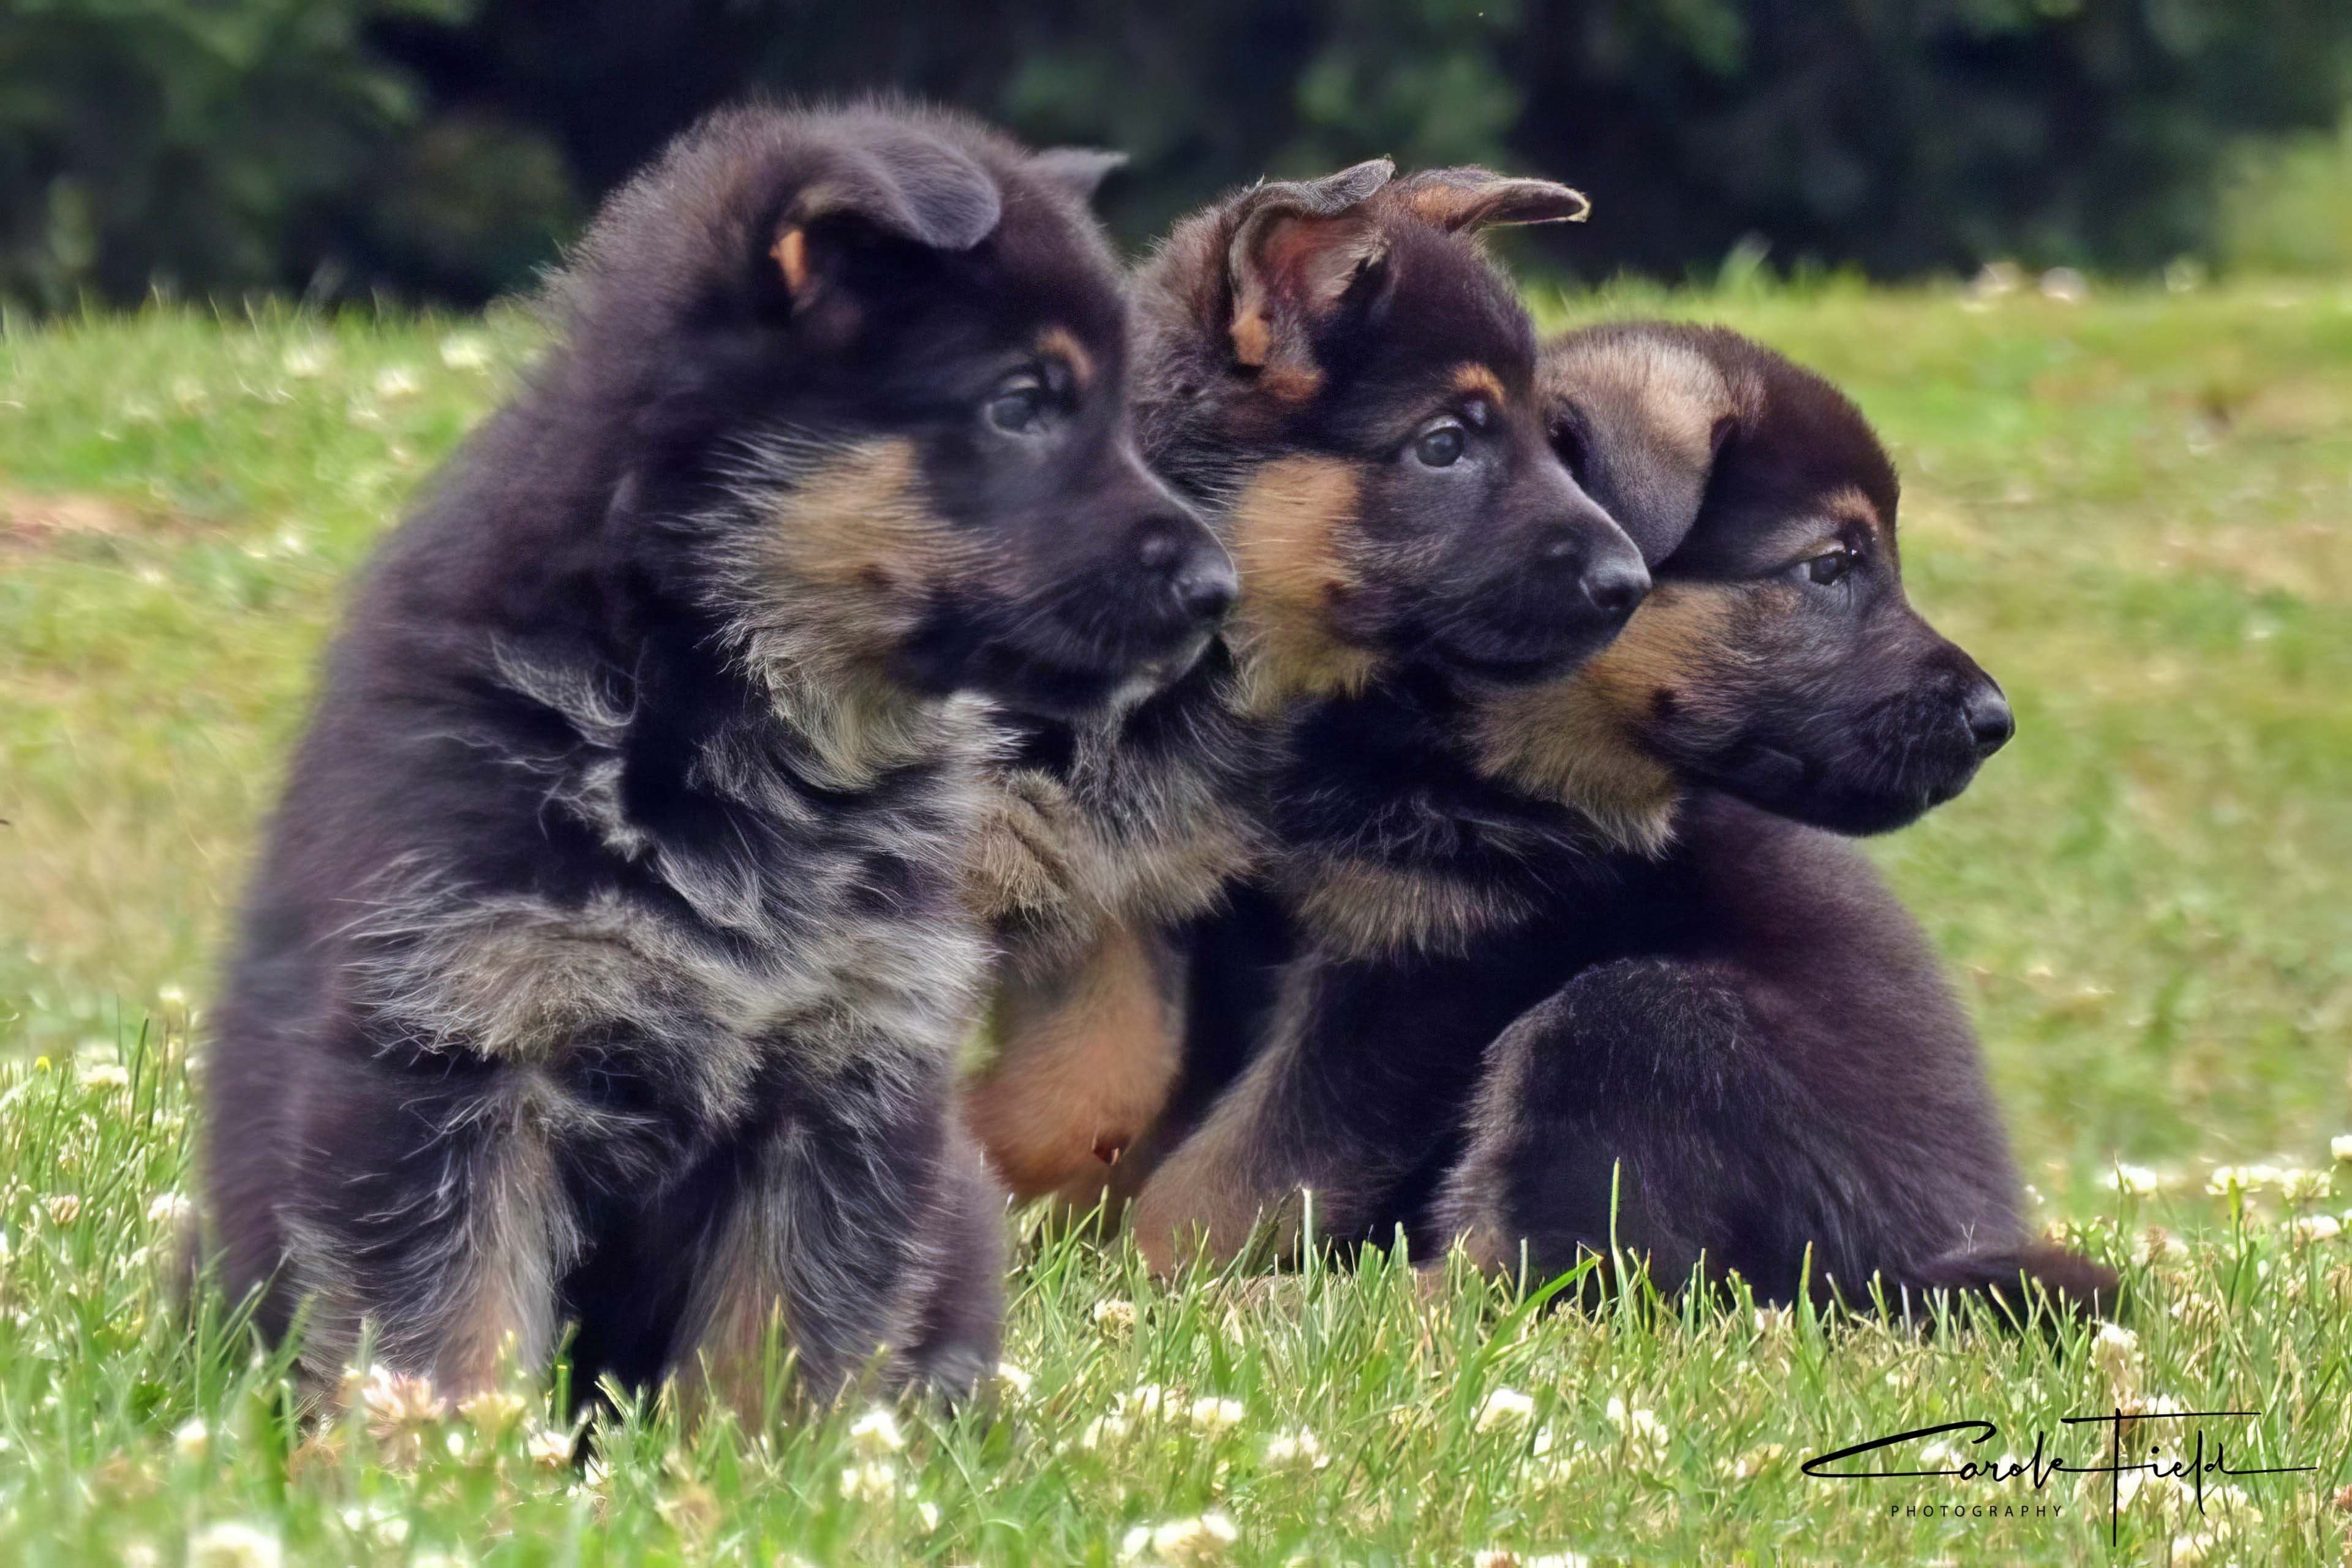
1296 249
1472 198
911 186
1077 169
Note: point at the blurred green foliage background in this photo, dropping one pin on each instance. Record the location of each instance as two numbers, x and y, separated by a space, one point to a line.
442 149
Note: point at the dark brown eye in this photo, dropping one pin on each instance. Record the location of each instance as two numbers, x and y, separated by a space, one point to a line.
1440 446
1827 569
1017 406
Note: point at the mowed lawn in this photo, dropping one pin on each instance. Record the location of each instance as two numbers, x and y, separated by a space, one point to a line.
2137 511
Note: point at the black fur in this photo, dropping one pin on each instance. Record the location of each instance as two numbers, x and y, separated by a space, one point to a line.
1340 378
1613 961
605 962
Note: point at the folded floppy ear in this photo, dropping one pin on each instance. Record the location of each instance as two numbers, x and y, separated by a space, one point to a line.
1474 199
1077 169
911 186
1642 422
1296 249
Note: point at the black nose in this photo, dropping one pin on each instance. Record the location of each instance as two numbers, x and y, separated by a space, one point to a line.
1206 588
1197 569
1989 719
1616 588
1609 575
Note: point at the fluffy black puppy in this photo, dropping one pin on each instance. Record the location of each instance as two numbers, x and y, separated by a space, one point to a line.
1341 379
1698 994
605 963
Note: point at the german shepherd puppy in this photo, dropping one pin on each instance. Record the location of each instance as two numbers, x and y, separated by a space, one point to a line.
1335 372
1708 1008
606 960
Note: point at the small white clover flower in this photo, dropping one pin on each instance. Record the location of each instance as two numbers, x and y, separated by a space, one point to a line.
2317 1227
232 1544
192 1441
104 1077
871 1482
1641 1426
63 1209
2340 1149
1185 1540
2115 1351
171 1209
2136 1181
464 350
1114 1317
2234 1180
2301 1186
1145 1399
396 381
876 1433
1013 1380
927 1514
1505 1408
1301 1447
548 1446
1212 1415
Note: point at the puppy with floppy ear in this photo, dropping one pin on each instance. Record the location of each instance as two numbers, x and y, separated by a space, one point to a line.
1709 1011
1337 375
606 961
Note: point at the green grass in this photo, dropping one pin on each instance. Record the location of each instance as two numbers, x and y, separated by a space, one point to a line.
2134 512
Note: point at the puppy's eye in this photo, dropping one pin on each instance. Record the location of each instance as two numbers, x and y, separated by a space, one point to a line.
1017 406
1828 569
1440 446
1568 441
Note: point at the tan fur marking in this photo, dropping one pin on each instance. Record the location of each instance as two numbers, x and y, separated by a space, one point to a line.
1202 1203
1253 338
791 251
1577 741
1680 392
1017 864
1361 910
1288 538
861 525
1290 383
1058 343
1849 504
1478 381
523 1239
1082 1067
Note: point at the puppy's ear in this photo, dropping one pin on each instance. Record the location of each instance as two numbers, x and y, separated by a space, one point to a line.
1297 249
1468 198
909 187
1077 169
1642 420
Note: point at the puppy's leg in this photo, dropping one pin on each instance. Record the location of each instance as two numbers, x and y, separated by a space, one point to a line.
1594 1132
442 1225
961 1328
1085 1060
840 1221
1317 1128
1663 1085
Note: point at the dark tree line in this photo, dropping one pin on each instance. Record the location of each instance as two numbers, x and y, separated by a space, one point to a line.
442 149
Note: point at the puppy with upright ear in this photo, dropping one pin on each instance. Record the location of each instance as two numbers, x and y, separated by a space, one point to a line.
1584 942
607 961
1333 371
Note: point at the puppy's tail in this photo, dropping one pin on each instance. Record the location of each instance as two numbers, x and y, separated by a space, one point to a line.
2013 1277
